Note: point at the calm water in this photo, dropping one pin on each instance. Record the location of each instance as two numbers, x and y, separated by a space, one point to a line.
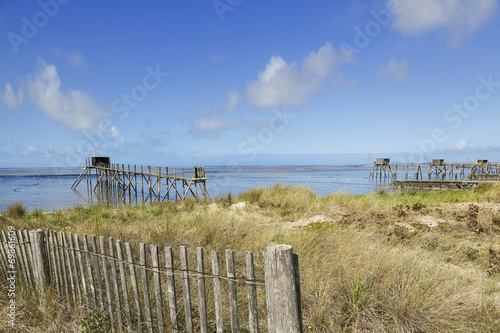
50 188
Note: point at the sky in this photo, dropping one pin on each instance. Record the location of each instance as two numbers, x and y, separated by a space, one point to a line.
238 82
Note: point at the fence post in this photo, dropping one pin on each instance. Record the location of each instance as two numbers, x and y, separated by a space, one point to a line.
40 261
282 290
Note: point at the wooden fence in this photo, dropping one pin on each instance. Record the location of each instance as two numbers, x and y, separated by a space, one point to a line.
151 291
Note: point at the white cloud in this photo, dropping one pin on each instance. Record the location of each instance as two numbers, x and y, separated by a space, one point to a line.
462 145
456 19
28 150
119 139
394 70
232 101
75 58
210 124
12 99
74 109
282 84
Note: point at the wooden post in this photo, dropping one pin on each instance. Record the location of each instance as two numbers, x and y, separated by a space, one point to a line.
124 282
97 269
158 184
186 289
114 277
40 262
21 255
142 184
219 320
108 283
172 305
135 182
233 293
82 270
145 287
150 189
183 183
282 290
168 192
88 260
75 267
64 244
155 261
201 291
253 315
135 287
62 265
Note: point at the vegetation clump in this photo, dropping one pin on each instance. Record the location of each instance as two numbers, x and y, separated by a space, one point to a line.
381 262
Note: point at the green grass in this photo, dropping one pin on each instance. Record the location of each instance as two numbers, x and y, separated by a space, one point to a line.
372 266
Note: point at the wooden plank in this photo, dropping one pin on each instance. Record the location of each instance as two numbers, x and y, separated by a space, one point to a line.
24 258
82 270
233 295
296 273
62 266
48 248
20 269
29 250
108 283
158 181
186 289
97 269
75 268
145 287
123 278
155 261
88 260
116 287
202 296
4 255
253 314
135 286
219 317
172 304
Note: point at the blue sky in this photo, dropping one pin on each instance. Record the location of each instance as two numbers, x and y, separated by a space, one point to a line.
238 82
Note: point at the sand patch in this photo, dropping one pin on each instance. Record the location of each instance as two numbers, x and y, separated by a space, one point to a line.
306 222
407 226
430 221
238 206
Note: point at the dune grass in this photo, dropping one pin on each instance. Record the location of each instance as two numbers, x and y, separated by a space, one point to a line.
372 265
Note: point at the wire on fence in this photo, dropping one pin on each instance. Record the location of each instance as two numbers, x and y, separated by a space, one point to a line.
164 270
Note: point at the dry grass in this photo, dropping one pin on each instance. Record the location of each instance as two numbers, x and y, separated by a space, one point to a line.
377 264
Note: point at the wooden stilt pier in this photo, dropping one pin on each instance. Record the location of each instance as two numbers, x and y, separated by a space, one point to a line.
440 175
113 182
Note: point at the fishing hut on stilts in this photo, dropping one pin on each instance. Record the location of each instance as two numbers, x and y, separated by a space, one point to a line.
382 169
119 182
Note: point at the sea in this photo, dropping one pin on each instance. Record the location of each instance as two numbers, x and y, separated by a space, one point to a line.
49 189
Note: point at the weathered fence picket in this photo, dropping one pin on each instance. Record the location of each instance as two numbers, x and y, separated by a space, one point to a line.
219 316
145 287
233 294
172 304
107 282
155 261
135 286
124 282
186 289
77 272
202 296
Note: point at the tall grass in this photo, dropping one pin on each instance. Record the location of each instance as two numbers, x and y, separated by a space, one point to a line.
360 272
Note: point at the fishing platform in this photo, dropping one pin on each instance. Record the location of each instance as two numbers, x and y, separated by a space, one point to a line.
436 174
117 182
